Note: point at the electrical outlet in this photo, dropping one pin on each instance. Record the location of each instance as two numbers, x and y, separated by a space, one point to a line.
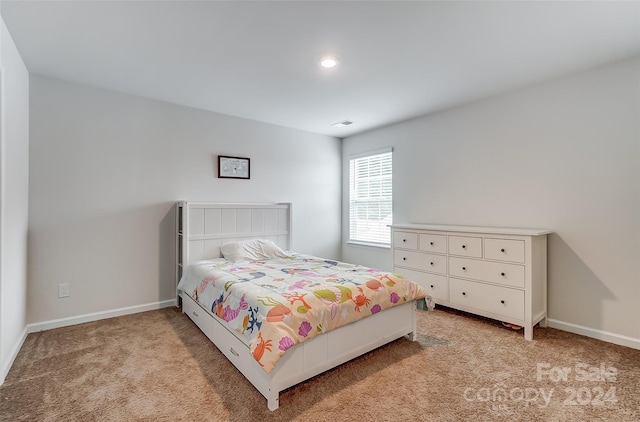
64 290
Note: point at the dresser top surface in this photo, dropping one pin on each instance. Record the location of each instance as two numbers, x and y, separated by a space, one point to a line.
515 231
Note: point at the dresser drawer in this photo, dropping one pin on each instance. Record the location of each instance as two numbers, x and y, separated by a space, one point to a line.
494 272
433 243
465 246
436 285
420 261
497 300
504 250
405 240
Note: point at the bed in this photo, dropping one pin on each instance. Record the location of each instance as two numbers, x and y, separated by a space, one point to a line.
281 317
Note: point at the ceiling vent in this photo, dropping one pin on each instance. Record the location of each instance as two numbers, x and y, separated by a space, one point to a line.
343 123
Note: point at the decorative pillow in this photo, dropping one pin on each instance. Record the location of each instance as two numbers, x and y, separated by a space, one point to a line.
251 250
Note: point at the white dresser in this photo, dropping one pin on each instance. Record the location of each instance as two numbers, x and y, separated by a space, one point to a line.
500 273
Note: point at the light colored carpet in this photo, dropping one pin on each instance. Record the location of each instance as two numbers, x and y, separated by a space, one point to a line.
157 366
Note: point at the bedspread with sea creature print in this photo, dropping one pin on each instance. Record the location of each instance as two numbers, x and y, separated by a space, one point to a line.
280 302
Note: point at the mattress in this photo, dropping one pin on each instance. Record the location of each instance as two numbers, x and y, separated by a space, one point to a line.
273 304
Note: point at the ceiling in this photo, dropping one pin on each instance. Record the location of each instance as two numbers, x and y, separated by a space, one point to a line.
259 60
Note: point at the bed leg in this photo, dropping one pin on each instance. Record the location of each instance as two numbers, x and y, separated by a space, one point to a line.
273 402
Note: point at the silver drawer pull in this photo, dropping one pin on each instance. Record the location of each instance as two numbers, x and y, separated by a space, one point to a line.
194 314
234 352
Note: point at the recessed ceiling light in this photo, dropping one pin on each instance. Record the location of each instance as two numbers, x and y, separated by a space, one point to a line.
343 123
328 61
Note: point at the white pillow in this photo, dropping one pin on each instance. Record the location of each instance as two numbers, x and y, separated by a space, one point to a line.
251 250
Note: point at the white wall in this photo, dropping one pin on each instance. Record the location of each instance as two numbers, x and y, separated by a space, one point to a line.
106 169
14 184
563 155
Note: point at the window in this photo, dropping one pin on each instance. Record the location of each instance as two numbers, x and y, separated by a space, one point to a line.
370 198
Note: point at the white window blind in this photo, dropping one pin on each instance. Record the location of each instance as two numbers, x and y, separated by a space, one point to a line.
370 198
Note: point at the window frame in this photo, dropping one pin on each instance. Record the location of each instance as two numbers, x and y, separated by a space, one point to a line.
351 238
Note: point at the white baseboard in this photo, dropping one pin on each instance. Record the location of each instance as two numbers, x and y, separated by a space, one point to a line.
12 357
607 336
96 316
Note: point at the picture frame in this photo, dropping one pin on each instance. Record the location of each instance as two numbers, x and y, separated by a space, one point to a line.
234 167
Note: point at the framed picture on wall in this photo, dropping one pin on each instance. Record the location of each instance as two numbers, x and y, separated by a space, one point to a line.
234 167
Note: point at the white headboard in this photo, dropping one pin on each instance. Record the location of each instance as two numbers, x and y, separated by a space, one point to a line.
202 227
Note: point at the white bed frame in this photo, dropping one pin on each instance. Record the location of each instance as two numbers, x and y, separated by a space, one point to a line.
201 229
